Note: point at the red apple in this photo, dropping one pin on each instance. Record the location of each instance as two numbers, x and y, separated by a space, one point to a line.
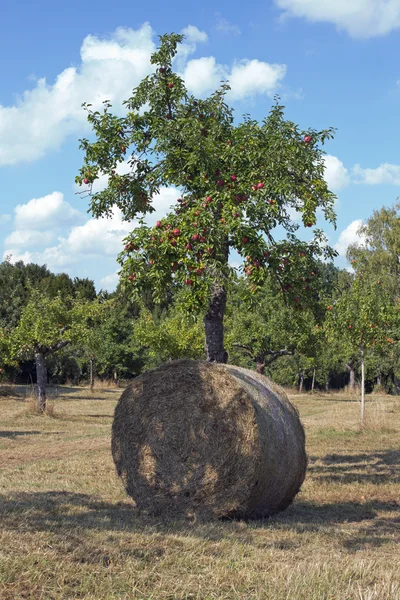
309 224
197 213
188 282
220 182
132 276
233 178
162 69
195 237
86 180
307 139
170 85
209 250
260 186
217 173
176 232
245 240
203 239
173 242
188 246
158 224
199 271
208 199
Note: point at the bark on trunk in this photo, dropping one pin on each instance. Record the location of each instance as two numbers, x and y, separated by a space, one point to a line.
260 368
313 381
362 386
91 373
352 376
115 377
214 326
41 378
379 381
301 381
396 384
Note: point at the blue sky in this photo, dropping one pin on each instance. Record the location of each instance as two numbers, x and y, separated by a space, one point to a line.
333 64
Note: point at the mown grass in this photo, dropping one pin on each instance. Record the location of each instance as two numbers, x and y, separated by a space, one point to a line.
68 531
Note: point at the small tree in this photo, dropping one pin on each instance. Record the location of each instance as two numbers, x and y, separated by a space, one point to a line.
365 316
46 326
238 181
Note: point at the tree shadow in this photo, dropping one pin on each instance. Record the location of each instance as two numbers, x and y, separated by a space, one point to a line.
376 468
14 434
53 511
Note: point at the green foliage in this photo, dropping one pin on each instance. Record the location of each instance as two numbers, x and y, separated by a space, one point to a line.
169 336
48 324
365 315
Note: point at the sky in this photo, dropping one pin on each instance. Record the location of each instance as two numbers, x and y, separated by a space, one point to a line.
332 64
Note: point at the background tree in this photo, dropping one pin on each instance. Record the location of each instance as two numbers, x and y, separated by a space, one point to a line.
46 326
365 316
167 335
238 182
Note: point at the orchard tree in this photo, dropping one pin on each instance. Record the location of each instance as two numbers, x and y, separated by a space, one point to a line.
238 182
46 326
364 317
378 254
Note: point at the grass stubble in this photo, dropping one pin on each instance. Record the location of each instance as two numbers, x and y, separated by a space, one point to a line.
68 530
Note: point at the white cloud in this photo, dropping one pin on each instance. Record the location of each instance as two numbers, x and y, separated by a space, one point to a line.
162 203
247 78
99 237
203 75
336 174
45 115
39 223
193 34
360 18
48 212
384 174
226 26
29 238
349 236
109 282
4 219
251 77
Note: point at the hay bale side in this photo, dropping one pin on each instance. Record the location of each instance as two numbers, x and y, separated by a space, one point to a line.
214 440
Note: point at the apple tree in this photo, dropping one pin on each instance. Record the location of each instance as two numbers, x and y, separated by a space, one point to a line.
46 326
238 181
365 316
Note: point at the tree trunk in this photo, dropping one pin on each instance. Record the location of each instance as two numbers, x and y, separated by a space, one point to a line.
41 378
91 373
115 375
379 380
260 367
396 384
313 381
301 381
352 376
362 386
327 384
214 326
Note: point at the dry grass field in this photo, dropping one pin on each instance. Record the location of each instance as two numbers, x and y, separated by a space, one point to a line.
68 531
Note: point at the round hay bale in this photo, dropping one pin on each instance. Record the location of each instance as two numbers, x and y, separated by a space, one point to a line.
207 439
